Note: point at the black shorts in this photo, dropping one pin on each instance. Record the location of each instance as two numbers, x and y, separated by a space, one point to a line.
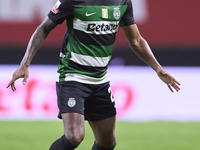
94 101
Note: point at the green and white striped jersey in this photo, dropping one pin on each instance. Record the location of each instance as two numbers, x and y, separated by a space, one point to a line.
89 39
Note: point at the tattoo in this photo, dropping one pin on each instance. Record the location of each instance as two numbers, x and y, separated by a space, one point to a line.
37 40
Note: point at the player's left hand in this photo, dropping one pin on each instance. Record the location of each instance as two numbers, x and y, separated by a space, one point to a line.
169 80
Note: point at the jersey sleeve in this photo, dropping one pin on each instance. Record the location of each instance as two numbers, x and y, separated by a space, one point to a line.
62 10
128 18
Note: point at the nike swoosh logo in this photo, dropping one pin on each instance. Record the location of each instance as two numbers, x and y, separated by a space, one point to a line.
86 14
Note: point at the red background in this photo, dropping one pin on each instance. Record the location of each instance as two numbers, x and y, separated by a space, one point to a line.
170 23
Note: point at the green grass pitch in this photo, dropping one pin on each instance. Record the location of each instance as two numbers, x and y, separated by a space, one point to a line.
38 135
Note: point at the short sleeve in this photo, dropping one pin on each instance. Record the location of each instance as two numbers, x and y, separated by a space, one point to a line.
128 18
62 10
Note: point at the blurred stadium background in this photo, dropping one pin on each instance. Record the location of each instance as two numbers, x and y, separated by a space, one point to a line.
170 27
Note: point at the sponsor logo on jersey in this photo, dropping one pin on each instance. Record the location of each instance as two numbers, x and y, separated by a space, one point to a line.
104 13
71 102
55 7
116 13
101 27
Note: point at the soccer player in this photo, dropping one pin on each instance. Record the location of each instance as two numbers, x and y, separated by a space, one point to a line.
83 90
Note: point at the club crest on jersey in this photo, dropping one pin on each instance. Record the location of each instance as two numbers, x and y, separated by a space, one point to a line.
55 7
71 102
104 13
116 13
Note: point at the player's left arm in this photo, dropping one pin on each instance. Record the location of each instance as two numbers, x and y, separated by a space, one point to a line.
141 48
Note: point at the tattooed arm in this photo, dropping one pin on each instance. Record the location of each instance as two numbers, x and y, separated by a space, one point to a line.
37 40
34 44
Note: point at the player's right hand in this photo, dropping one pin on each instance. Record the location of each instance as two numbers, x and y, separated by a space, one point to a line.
21 72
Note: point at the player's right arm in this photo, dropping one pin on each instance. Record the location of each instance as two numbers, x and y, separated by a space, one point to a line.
35 42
